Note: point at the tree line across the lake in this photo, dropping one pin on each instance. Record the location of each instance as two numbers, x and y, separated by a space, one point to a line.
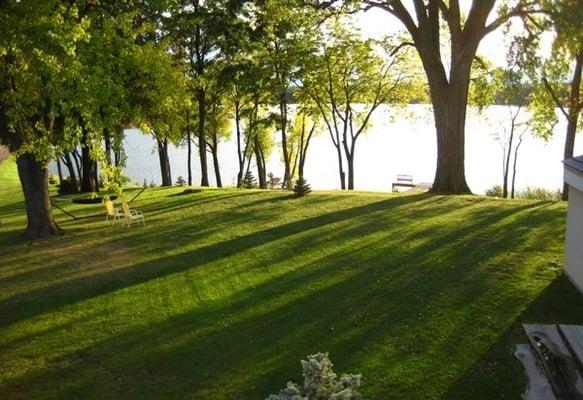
75 74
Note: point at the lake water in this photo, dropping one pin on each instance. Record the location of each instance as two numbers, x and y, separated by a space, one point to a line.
398 142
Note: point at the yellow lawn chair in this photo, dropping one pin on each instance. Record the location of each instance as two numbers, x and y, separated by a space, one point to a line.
132 215
113 214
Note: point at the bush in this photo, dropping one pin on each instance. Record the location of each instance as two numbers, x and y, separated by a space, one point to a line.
495 191
67 187
53 179
321 383
301 187
273 182
180 181
249 181
534 193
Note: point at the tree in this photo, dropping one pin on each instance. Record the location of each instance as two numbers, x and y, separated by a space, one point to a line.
348 82
447 72
305 126
218 126
36 72
163 99
510 88
558 74
196 30
286 33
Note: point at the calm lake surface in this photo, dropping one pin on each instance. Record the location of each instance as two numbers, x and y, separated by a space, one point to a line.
398 142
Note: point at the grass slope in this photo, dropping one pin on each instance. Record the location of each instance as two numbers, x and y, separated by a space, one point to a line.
224 291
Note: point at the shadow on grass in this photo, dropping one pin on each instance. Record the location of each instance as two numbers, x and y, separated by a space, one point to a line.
558 303
405 308
45 299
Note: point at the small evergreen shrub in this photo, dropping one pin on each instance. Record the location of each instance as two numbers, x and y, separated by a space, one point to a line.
494 191
321 383
180 181
301 187
145 185
273 182
249 181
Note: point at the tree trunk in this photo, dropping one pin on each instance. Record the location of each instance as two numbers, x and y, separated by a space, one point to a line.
261 175
95 175
164 162
341 169
107 140
71 168
215 152
87 181
189 143
204 181
507 163
449 110
240 152
350 164
34 180
118 148
77 159
287 184
512 193
59 170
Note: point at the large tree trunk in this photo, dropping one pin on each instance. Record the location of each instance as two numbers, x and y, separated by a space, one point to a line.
204 181
34 180
449 110
164 162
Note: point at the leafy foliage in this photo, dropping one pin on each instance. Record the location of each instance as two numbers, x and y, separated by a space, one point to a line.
321 382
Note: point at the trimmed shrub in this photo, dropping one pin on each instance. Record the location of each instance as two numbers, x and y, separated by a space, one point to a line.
273 182
249 181
494 191
321 383
180 181
301 187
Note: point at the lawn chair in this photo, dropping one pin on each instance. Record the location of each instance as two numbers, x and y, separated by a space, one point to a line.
132 215
113 214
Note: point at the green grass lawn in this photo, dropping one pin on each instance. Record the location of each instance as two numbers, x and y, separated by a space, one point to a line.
224 291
